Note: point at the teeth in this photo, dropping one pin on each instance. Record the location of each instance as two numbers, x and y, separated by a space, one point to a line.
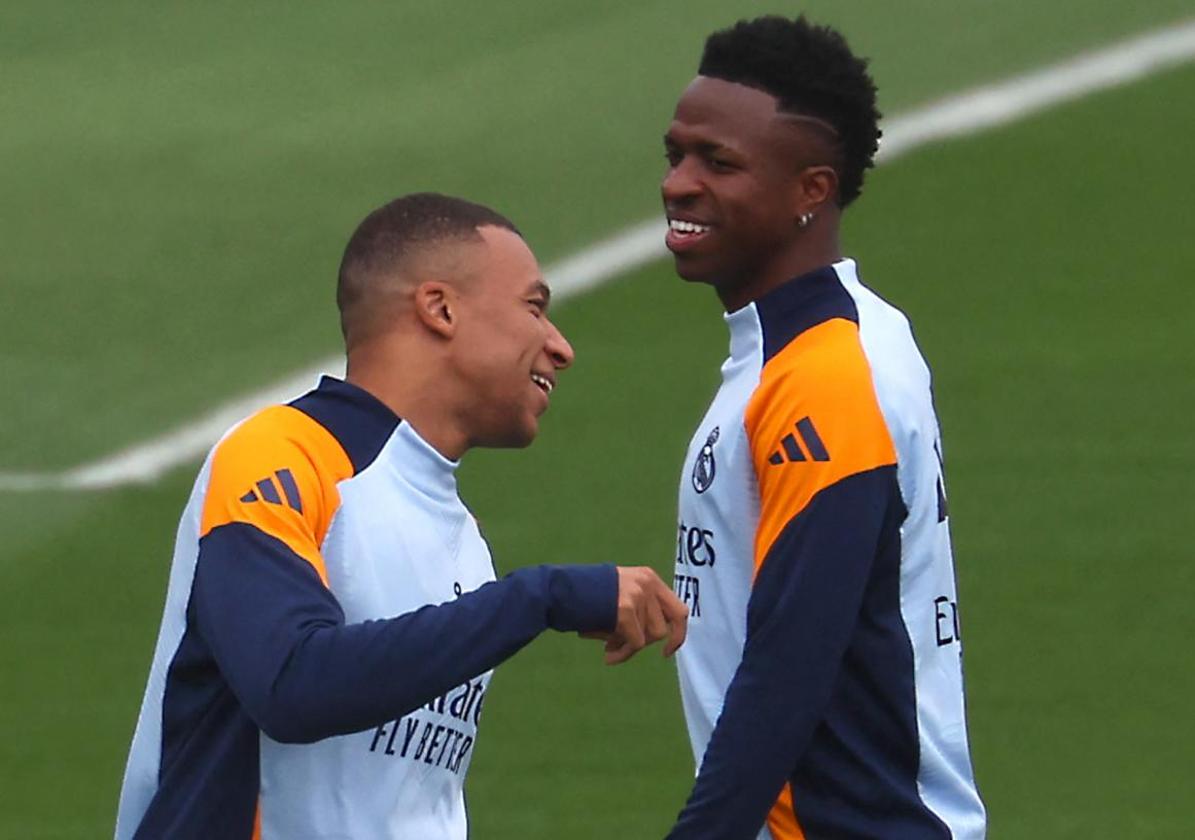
542 382
681 226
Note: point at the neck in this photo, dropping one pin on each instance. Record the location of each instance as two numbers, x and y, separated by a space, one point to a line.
413 393
815 247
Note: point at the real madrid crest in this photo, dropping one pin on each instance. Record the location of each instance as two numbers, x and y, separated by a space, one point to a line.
704 469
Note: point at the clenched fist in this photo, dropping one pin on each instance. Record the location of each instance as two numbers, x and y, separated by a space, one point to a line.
647 613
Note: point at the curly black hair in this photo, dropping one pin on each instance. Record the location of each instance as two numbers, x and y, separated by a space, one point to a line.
810 70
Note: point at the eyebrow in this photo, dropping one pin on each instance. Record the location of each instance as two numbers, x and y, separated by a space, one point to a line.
705 147
539 287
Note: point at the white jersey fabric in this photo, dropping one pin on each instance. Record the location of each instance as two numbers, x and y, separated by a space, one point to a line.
823 659
303 686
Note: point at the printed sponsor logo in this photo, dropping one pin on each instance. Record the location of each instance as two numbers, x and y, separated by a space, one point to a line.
694 549
435 742
688 589
695 546
946 621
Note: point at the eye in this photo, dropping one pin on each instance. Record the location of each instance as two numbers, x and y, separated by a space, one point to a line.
722 164
538 307
672 156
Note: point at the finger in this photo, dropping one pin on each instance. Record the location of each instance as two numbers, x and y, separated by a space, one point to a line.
654 621
616 654
678 622
678 629
630 629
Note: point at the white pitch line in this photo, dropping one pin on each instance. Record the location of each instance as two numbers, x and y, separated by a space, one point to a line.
1020 96
963 114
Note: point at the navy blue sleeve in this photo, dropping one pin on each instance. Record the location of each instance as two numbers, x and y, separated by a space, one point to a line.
302 674
803 610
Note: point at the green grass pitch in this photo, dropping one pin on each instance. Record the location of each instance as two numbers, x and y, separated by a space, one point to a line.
178 185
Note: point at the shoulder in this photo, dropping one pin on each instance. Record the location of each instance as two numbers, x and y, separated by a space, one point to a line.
276 438
277 471
901 376
816 403
824 368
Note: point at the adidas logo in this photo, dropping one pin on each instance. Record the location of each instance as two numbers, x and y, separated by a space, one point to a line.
791 451
268 491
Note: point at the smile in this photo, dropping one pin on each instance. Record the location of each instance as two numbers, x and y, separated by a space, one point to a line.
683 234
543 382
684 228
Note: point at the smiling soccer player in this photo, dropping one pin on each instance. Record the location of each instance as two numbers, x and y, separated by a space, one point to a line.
332 617
822 677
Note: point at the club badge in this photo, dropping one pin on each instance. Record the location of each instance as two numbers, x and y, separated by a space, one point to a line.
704 469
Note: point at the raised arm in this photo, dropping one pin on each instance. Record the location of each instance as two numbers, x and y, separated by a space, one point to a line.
279 638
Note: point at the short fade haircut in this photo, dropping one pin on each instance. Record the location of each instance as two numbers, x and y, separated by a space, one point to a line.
810 70
400 229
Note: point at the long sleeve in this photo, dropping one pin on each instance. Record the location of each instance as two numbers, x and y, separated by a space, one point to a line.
822 684
802 612
830 508
261 608
279 639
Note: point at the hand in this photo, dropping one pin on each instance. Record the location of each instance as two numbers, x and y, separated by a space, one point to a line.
647 612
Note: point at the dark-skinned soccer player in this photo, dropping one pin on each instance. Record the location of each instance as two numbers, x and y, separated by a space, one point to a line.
822 678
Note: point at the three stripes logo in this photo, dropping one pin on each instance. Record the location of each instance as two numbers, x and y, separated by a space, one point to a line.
790 451
267 491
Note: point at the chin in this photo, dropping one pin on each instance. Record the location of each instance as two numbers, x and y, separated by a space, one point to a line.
519 438
525 440
691 273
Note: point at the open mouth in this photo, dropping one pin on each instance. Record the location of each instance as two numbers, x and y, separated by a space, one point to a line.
683 234
546 385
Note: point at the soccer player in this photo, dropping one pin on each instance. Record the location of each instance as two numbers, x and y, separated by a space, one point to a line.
332 617
822 678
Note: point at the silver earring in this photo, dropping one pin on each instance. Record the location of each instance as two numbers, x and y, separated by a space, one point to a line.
804 220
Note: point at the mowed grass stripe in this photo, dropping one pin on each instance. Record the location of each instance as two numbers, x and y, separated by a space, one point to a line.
1063 389
966 113
1051 314
181 179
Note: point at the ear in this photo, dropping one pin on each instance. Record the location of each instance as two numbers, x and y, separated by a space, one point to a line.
816 185
436 307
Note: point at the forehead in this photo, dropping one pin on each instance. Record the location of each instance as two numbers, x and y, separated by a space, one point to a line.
727 113
504 262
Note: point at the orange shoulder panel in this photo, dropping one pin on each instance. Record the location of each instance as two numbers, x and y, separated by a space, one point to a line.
278 471
812 421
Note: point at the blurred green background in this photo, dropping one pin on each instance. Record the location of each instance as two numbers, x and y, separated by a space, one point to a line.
179 183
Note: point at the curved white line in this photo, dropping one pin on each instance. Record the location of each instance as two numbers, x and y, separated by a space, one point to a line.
966 113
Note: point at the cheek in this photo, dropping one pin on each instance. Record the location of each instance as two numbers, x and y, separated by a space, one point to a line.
507 360
755 210
768 222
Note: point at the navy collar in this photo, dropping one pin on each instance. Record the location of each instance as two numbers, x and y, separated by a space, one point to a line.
804 302
356 418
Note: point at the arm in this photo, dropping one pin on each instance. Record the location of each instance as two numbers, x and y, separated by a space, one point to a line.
823 517
279 638
800 618
260 602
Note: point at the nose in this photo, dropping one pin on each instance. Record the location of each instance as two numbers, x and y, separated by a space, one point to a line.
558 348
679 182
